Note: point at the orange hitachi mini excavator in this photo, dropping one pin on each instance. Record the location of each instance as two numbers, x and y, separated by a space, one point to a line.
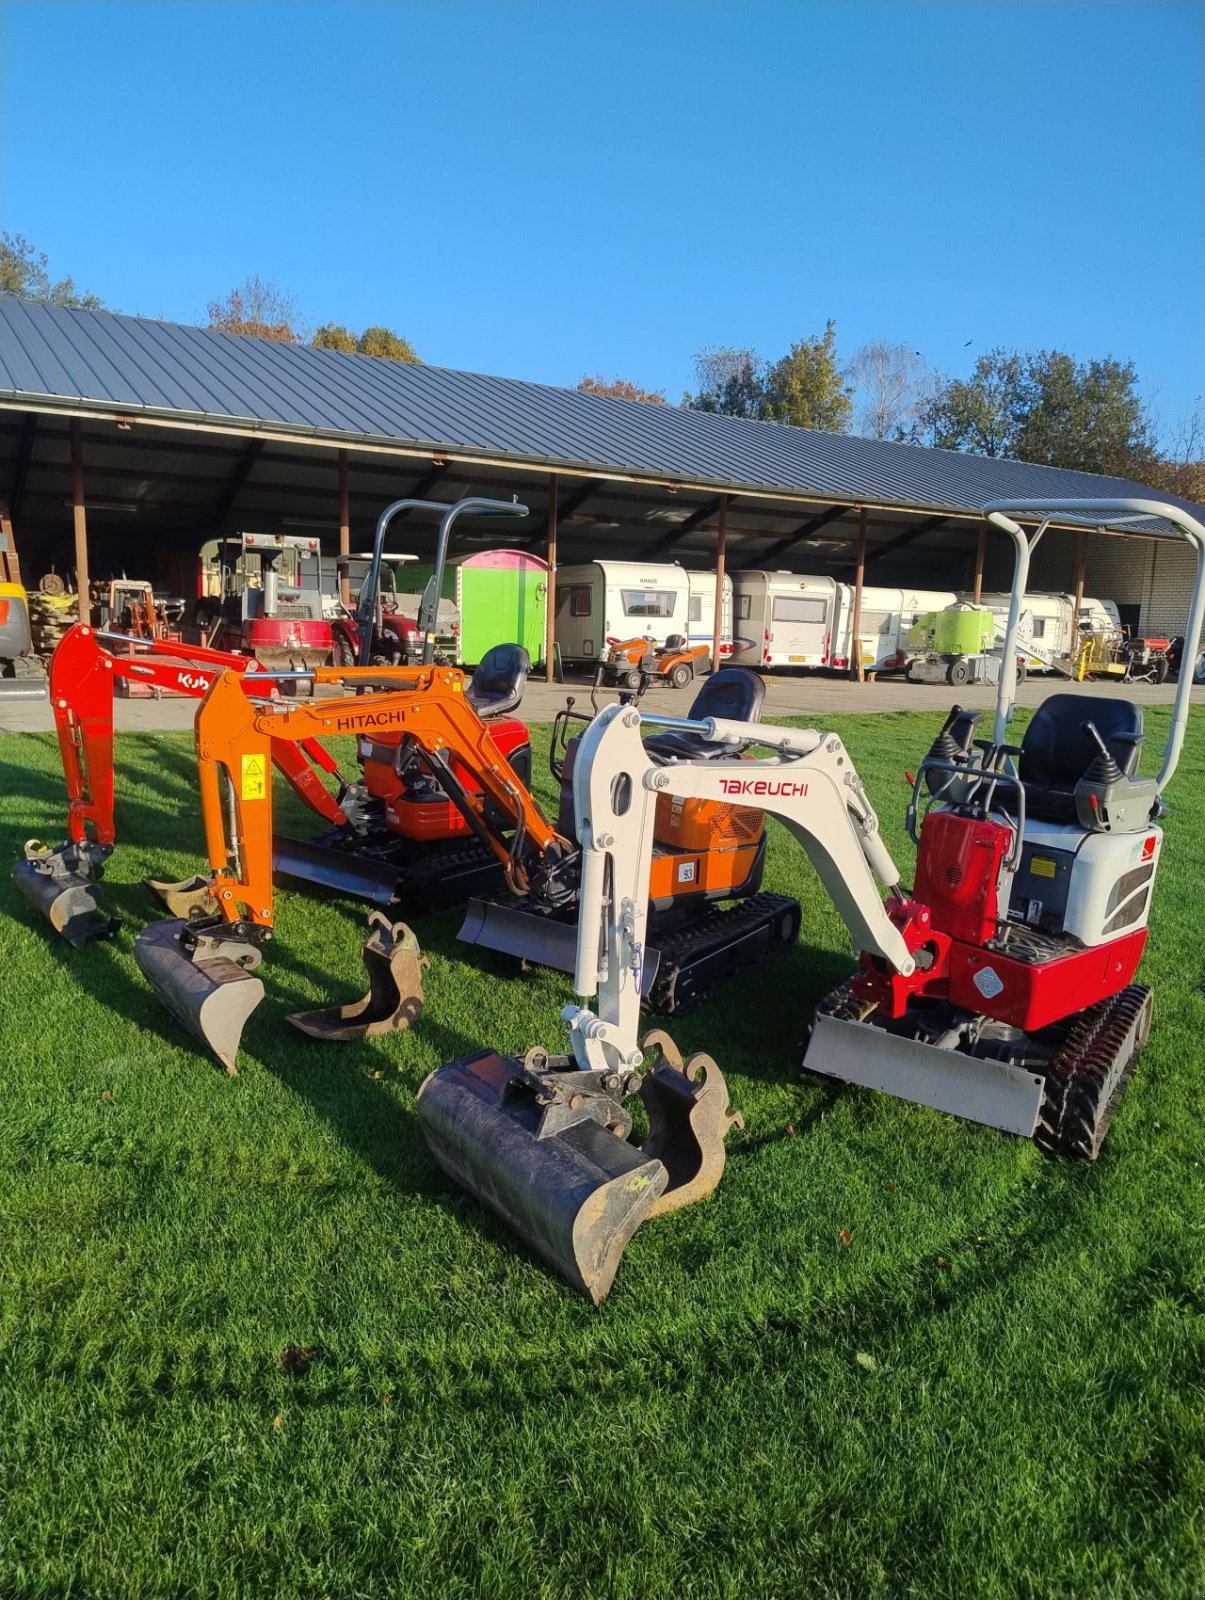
63 882
202 967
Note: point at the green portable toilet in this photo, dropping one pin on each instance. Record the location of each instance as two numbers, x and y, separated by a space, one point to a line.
502 598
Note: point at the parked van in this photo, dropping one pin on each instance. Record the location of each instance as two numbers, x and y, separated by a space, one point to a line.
599 601
791 619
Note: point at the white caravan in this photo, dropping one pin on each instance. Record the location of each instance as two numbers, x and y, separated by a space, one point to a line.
791 619
601 600
1052 626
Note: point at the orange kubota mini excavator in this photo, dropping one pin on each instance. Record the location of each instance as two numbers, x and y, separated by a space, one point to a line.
202 968
63 882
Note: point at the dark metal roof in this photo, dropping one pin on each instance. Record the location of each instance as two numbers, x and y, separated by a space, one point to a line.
54 359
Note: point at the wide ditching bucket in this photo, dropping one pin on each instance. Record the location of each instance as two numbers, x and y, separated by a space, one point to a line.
208 983
545 1146
394 1002
63 884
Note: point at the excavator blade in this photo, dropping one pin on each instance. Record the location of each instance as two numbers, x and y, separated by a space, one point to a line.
63 884
545 1146
329 867
202 984
188 899
394 1001
524 934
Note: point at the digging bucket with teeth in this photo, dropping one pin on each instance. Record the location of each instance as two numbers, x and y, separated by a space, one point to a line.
394 1000
545 1145
63 884
206 979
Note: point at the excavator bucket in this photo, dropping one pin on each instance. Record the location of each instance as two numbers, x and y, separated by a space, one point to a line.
187 899
64 885
394 1001
208 984
545 1146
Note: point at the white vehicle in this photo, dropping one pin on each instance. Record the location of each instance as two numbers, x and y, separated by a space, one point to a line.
602 600
791 619
1052 628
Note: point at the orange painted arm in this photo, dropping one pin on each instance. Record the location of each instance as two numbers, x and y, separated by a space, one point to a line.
235 741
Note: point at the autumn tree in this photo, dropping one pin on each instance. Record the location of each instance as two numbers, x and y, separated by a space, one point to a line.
892 386
807 387
1182 472
25 271
621 389
376 341
260 309
1044 406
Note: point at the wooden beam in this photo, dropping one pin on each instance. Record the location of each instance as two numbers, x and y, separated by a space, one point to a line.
901 539
855 632
79 517
1081 564
803 531
980 552
344 527
234 487
721 540
689 524
550 591
566 508
24 458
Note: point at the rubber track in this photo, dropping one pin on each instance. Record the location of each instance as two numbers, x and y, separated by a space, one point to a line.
680 982
1088 1077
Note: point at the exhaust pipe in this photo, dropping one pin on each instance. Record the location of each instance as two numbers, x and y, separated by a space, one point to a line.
63 885
394 1001
545 1146
206 981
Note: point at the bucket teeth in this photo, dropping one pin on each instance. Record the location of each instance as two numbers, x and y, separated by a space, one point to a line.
689 1121
394 1001
206 982
545 1146
63 884
189 898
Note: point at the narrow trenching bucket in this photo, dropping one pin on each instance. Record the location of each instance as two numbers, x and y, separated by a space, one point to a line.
394 1001
359 876
207 984
526 935
545 1146
63 884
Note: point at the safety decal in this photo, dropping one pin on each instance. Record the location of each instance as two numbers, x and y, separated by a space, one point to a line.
254 785
1042 866
988 982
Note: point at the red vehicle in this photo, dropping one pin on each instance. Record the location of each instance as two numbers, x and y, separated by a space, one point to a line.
260 594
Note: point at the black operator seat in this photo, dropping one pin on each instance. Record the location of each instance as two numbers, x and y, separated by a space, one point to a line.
677 641
1056 752
734 694
499 680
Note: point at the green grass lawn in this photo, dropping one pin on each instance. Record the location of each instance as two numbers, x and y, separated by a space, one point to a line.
994 1389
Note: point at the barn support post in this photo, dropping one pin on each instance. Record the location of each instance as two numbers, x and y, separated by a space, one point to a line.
344 527
79 517
980 552
721 543
550 595
1081 564
855 632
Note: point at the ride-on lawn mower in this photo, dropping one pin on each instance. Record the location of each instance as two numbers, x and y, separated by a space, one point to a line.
63 882
708 915
629 662
999 989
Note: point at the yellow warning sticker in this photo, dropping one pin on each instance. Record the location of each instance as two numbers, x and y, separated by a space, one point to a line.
254 778
1042 867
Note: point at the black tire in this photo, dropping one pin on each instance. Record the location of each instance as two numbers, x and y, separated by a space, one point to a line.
959 671
681 676
1160 667
1198 668
1022 672
345 656
631 680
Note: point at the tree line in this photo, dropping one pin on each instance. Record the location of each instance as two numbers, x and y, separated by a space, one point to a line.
1042 406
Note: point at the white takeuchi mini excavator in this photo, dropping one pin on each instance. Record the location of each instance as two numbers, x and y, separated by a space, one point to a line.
1000 988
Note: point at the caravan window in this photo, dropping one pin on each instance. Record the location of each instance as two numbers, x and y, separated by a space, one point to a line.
875 622
696 608
799 608
648 602
744 607
1038 631
579 600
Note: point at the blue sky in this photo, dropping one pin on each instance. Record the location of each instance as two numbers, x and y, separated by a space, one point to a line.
547 190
